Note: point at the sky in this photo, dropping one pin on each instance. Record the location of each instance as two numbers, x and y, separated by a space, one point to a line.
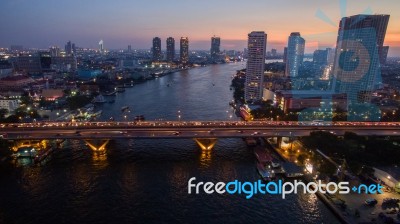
119 23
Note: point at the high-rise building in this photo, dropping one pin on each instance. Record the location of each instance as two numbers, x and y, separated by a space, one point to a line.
245 53
359 49
320 57
384 54
54 51
215 47
68 48
273 52
295 54
331 56
285 55
101 46
170 49
257 45
156 49
129 48
73 48
184 50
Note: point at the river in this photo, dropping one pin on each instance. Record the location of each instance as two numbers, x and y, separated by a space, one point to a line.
145 181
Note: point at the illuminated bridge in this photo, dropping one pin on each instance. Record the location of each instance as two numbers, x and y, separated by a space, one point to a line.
204 133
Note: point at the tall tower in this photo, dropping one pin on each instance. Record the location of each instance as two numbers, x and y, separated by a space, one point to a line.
156 49
285 55
257 45
359 49
68 48
170 49
101 46
295 54
184 50
215 47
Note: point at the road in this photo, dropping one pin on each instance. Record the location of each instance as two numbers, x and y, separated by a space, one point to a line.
189 129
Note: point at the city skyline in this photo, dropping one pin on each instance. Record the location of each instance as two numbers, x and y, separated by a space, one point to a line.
121 24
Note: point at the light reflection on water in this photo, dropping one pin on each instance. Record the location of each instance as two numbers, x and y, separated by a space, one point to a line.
145 181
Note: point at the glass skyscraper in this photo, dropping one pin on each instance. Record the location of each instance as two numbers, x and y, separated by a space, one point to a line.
294 54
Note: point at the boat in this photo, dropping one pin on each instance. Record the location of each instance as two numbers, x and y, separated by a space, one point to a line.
124 108
43 154
120 89
26 151
139 118
99 99
110 93
262 155
128 85
244 113
265 173
98 113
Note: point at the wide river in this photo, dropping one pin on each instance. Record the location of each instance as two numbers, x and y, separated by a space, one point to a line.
145 181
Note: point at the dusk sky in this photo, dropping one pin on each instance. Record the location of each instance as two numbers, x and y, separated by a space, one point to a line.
43 23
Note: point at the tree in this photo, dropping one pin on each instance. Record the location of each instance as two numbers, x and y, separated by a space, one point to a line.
3 113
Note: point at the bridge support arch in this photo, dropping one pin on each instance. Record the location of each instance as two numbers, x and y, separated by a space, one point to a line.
206 143
98 145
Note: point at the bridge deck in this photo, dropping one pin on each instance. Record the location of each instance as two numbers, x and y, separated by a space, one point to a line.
188 129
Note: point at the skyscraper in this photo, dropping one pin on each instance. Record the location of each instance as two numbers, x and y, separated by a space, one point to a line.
170 49
184 50
257 45
215 47
320 57
156 49
359 49
129 48
285 55
383 54
295 54
54 51
101 46
68 48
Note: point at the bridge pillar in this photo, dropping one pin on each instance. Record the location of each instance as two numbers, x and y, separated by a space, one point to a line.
206 143
279 141
97 145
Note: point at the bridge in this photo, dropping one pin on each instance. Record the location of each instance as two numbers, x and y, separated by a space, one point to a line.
204 133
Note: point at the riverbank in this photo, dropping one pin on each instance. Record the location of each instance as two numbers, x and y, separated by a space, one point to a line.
307 178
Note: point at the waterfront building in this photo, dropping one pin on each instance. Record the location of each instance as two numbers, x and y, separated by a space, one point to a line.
215 48
170 49
184 50
156 49
257 45
355 75
294 55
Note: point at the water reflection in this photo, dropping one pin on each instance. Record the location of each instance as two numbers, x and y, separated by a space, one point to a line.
100 158
205 158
